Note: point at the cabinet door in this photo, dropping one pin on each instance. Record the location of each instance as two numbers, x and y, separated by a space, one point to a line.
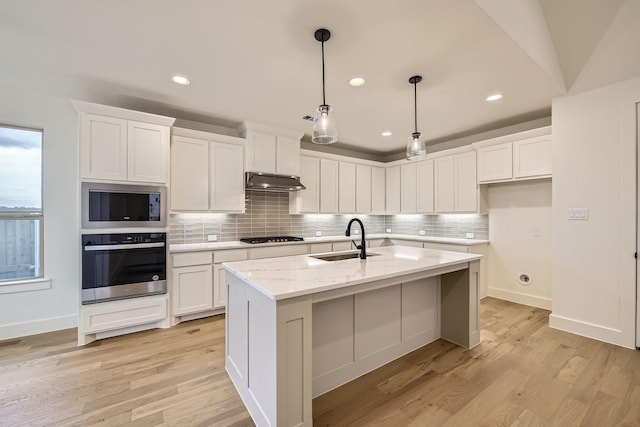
328 186
262 153
189 174
103 141
444 179
466 192
425 186
408 188
227 177
532 157
220 286
192 289
310 178
148 149
347 187
378 189
287 156
393 189
494 163
363 189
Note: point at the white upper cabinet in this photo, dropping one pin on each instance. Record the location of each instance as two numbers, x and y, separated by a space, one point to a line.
123 145
346 187
444 180
393 189
189 174
271 150
309 199
520 156
425 186
532 157
363 189
408 188
207 172
227 181
378 189
466 184
495 163
328 186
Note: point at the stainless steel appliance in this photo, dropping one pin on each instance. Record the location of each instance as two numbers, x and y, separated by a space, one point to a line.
259 181
119 205
119 266
271 239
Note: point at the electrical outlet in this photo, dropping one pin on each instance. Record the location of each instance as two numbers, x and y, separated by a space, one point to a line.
355 231
470 235
212 237
388 230
422 233
318 233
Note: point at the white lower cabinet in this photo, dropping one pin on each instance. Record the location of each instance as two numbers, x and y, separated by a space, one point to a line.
219 276
192 284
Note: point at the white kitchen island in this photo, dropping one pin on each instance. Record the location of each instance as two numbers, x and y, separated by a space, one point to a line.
299 326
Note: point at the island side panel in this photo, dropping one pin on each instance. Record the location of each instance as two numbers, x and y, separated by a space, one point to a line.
294 340
459 301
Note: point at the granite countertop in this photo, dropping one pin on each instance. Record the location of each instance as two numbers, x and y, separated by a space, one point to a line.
211 246
294 276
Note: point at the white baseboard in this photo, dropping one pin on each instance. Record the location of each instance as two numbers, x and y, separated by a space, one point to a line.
590 330
40 326
517 297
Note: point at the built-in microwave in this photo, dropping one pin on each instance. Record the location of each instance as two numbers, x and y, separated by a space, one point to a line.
121 205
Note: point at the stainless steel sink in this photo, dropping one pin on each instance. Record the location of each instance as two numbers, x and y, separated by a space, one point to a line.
340 256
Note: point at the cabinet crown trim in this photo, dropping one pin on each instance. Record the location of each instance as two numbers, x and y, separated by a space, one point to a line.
198 134
513 137
121 113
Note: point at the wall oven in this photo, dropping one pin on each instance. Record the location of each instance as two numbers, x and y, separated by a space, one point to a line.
119 266
120 205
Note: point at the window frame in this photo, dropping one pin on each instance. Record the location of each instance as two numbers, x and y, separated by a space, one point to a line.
29 215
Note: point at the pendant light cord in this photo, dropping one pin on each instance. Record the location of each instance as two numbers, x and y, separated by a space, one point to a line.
415 106
324 102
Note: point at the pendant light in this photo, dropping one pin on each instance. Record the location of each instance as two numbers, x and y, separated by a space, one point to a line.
324 126
416 149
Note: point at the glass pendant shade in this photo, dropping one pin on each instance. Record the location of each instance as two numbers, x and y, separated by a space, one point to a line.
324 126
416 148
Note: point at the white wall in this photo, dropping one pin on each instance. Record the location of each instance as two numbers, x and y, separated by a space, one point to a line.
26 313
520 235
594 166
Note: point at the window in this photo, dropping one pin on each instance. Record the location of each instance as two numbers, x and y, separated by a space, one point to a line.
21 219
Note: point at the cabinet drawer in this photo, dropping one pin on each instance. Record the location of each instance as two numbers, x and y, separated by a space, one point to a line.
276 251
318 248
230 255
121 314
192 258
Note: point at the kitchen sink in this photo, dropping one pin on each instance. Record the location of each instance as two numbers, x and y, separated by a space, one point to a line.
340 256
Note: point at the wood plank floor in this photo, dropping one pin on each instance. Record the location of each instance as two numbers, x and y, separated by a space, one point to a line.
522 374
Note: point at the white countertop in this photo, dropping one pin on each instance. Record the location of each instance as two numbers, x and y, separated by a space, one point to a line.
293 276
211 246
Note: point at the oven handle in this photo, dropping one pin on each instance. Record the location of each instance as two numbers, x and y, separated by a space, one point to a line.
125 246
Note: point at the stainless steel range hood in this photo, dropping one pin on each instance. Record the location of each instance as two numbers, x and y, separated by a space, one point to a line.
259 181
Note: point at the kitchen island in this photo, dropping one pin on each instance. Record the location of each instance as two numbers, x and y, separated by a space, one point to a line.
299 326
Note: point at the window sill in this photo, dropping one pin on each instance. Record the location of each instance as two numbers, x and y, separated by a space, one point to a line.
25 285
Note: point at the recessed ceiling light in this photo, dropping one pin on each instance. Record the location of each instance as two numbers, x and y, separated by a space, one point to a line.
357 81
494 97
386 133
181 79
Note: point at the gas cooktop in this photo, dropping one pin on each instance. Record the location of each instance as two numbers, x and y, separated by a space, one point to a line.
271 239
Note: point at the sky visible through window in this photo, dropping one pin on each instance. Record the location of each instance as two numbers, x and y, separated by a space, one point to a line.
20 168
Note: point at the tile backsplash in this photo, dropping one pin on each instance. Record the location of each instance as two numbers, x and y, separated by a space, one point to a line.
267 214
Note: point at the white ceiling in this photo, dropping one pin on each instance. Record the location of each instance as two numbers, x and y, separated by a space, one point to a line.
258 60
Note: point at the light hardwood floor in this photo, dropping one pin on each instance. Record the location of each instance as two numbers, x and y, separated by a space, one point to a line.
522 374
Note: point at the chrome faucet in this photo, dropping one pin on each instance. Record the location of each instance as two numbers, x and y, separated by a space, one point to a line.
363 243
